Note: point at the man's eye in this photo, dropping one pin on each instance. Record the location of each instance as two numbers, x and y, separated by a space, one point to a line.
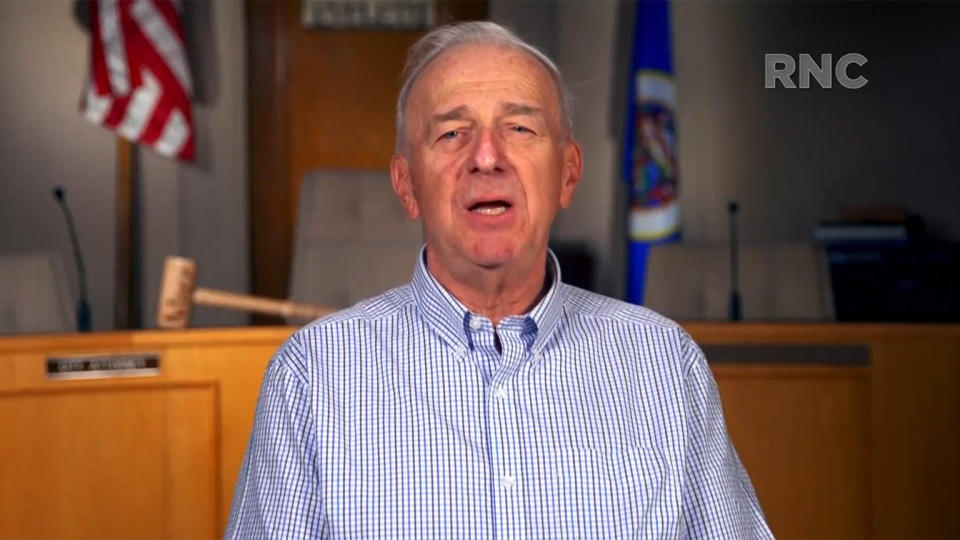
450 135
520 129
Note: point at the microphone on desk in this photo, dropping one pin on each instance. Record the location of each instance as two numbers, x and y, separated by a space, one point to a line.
735 313
83 304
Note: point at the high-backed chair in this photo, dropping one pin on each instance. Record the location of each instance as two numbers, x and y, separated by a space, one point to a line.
353 239
778 282
34 296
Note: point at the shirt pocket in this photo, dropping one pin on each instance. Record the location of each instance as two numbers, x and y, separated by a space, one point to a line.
608 494
648 496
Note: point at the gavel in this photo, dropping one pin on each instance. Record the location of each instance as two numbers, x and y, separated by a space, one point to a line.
178 295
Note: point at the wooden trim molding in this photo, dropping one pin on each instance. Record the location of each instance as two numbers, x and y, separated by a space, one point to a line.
268 79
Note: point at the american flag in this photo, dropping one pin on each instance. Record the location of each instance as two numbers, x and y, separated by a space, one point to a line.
139 83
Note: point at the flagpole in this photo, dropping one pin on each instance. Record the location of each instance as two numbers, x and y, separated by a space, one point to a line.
123 316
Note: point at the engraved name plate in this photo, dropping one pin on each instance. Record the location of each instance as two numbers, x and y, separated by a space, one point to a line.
103 366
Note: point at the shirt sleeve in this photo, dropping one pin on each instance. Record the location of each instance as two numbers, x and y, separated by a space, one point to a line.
718 498
277 494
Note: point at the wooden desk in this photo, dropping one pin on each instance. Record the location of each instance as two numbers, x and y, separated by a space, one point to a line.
852 450
152 457
849 452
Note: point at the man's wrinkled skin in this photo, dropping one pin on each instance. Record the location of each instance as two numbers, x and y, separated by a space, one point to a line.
486 161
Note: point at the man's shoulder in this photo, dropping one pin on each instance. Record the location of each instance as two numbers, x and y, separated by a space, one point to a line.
321 341
583 303
651 328
383 306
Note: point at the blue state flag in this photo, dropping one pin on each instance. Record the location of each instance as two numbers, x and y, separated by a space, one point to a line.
650 160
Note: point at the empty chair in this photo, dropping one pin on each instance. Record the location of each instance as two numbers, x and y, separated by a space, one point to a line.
778 282
353 239
34 296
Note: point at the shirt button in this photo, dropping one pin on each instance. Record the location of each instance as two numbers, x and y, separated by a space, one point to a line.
537 357
476 323
500 392
507 481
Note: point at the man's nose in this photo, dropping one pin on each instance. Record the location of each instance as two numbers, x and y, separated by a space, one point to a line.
487 153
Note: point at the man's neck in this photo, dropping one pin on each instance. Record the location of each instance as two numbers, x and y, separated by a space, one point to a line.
494 293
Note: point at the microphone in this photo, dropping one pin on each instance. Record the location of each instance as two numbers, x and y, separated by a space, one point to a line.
83 305
735 313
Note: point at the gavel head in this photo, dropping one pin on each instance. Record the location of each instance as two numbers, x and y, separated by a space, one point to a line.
176 292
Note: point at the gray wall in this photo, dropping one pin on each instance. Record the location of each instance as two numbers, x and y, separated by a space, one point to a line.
791 157
44 142
200 210
197 210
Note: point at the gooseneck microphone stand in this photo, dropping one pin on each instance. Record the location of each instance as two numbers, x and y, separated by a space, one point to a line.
83 304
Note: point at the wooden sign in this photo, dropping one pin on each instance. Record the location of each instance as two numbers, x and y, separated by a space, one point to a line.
368 14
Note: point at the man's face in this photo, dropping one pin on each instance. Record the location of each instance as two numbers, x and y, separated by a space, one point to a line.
487 161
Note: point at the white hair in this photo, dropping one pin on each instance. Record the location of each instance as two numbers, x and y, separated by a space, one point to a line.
444 38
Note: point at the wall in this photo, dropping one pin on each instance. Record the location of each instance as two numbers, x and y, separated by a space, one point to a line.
200 210
791 158
587 62
533 20
196 210
44 142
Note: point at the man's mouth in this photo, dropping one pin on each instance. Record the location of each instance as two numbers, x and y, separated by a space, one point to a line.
490 208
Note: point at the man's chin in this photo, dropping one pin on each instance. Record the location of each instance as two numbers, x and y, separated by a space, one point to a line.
493 254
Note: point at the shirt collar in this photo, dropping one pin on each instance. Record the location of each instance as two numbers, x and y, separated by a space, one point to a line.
450 318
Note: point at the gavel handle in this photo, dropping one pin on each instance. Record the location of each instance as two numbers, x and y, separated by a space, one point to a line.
283 308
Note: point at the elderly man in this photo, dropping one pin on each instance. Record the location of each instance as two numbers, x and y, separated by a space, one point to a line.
487 398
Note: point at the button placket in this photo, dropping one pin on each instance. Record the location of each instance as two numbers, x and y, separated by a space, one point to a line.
506 435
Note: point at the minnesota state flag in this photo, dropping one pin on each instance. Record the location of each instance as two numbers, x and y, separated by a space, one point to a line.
650 160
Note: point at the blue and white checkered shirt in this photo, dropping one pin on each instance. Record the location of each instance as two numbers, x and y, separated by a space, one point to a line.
399 418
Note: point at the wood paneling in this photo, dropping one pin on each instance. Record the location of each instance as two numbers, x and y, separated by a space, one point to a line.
318 99
166 448
807 448
269 112
138 461
914 424
867 451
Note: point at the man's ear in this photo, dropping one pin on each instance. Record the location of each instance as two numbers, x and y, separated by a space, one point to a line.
572 170
403 185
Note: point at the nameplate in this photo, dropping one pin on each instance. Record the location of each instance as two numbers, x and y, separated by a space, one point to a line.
103 366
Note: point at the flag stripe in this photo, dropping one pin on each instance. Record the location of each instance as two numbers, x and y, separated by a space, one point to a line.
172 12
99 79
113 47
139 82
97 106
141 107
174 136
163 39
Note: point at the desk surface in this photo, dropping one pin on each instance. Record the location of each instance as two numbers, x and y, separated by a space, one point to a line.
707 332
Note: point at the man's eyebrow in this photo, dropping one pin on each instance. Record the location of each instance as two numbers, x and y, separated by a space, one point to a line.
453 114
510 109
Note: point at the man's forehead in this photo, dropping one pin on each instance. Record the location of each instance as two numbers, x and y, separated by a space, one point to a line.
459 69
508 108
